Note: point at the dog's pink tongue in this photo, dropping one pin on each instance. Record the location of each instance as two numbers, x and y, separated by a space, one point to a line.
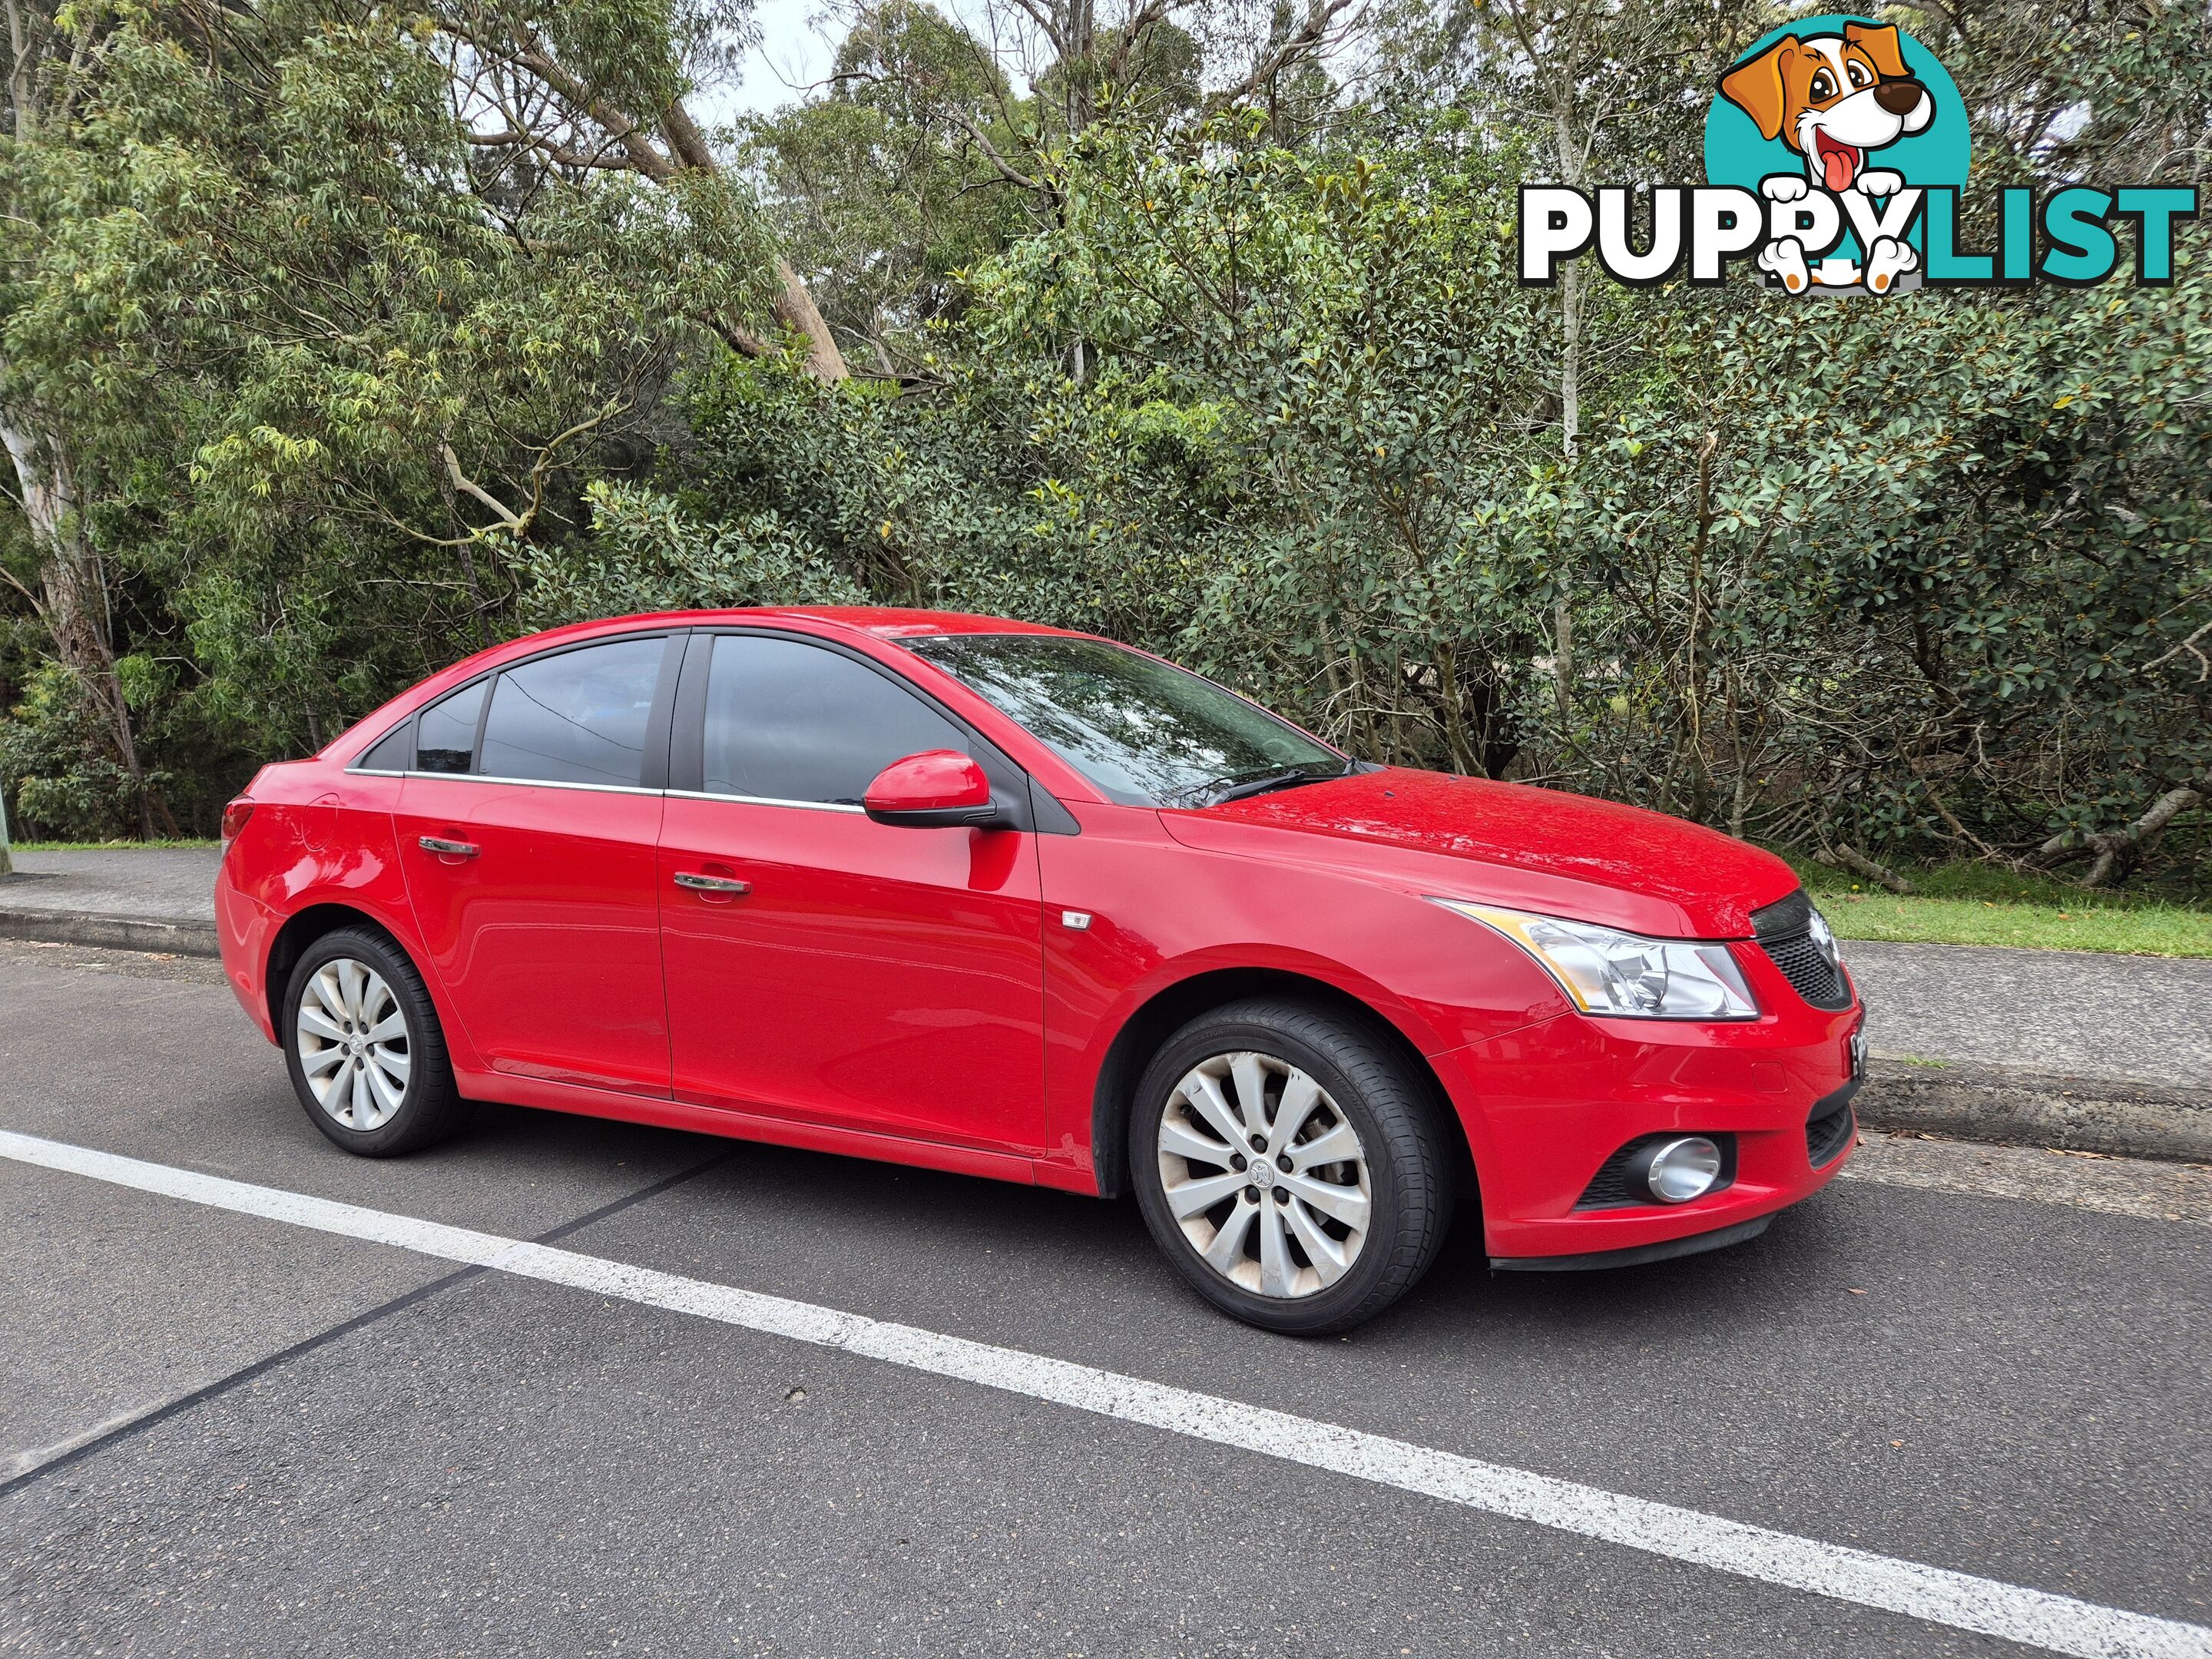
1837 163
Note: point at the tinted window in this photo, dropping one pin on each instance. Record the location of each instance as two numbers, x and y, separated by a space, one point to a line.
445 735
394 752
787 721
1144 731
579 717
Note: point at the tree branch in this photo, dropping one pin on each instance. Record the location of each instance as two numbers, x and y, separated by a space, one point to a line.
1843 854
1306 39
2190 646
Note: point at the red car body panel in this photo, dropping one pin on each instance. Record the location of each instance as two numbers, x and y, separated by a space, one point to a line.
500 929
930 996
875 978
1563 854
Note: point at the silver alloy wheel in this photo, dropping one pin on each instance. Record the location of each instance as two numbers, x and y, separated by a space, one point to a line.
352 1038
1265 1174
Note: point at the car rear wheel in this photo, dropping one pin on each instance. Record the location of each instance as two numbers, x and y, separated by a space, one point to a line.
1288 1166
364 1047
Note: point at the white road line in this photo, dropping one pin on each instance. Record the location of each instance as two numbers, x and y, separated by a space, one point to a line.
2059 1624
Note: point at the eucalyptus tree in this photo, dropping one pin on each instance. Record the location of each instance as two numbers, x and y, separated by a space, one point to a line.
53 71
296 363
581 85
886 186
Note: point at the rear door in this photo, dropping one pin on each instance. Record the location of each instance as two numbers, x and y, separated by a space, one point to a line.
527 827
865 976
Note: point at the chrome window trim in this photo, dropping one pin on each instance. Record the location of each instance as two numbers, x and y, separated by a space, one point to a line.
552 783
521 783
614 789
764 800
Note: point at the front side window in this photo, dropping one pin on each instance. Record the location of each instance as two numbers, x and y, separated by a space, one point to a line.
445 734
1146 733
792 722
576 717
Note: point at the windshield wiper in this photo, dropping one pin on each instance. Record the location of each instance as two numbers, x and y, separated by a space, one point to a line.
1238 787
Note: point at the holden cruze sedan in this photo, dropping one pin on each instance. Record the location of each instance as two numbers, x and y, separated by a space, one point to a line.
1005 900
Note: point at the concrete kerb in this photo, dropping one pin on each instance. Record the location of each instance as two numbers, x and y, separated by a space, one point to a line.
2013 1107
1958 1100
113 932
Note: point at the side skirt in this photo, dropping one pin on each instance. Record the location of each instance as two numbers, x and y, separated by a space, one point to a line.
750 1125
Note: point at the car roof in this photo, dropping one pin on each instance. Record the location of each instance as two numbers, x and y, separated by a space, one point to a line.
885 622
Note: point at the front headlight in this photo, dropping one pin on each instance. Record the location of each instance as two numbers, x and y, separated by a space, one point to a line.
1608 972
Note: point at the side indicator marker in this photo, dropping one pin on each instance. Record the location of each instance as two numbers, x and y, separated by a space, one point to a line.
1079 919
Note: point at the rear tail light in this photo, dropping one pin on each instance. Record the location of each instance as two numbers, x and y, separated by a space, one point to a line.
233 820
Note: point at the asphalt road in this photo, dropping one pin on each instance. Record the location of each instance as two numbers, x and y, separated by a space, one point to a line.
287 1442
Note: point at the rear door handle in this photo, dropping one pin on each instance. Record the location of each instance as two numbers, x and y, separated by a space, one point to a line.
457 849
711 883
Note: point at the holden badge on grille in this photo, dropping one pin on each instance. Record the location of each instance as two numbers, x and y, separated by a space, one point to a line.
1825 941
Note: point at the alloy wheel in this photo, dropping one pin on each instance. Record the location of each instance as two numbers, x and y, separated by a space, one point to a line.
353 1043
1265 1174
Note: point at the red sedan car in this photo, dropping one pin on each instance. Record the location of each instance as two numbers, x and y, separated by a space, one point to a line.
1006 900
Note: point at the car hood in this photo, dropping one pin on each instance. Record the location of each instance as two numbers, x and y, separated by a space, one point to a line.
1508 844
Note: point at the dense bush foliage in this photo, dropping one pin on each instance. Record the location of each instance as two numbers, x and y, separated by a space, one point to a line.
352 378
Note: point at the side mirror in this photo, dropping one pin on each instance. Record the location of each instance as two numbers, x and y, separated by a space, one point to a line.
937 789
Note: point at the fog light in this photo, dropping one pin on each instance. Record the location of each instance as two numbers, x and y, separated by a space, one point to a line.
1676 1171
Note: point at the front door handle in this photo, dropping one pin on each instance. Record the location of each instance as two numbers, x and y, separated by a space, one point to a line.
451 849
711 883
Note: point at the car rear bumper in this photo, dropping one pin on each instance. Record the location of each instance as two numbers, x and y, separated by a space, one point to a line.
1546 1108
244 929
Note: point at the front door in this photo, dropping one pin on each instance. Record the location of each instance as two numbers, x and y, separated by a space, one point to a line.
528 829
856 974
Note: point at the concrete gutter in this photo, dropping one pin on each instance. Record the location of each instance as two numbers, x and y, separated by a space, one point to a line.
113 933
1974 1101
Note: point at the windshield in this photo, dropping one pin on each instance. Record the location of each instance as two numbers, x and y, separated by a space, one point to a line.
1145 732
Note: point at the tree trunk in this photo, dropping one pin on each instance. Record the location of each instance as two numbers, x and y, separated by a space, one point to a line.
794 303
1571 425
75 606
795 309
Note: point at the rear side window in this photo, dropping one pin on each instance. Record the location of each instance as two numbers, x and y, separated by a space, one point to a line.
394 750
787 721
579 717
446 733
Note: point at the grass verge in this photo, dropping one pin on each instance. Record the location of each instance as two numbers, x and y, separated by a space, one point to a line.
103 846
1975 904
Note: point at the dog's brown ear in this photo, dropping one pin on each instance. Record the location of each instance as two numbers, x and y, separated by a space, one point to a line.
1756 87
1881 45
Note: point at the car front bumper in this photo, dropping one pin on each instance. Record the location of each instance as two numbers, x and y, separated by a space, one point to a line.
1545 1109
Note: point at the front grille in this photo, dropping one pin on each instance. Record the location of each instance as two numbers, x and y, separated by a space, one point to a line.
1609 1189
1830 1128
1784 931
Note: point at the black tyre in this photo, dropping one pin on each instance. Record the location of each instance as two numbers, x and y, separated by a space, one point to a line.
364 1047
1289 1166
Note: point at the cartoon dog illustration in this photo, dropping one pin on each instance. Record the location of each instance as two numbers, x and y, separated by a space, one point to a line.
1833 99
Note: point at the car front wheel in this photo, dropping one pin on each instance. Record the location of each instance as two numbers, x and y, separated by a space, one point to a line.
363 1045
1289 1166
